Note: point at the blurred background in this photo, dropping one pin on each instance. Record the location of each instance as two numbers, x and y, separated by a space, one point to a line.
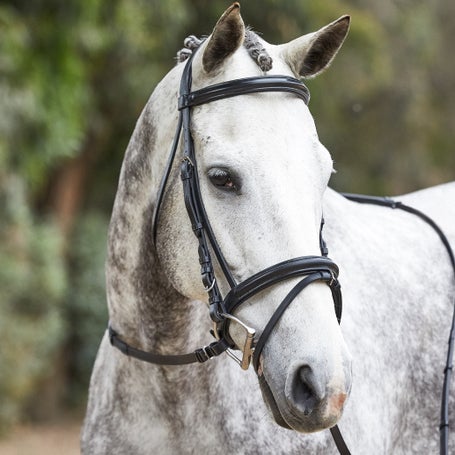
74 76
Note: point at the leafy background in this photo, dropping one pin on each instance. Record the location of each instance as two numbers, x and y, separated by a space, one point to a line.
74 77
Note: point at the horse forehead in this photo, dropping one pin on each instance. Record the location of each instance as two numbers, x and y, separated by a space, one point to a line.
258 123
261 129
266 117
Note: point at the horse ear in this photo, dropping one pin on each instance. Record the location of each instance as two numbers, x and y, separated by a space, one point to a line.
311 54
227 37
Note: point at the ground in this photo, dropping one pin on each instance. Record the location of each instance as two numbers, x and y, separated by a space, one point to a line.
51 439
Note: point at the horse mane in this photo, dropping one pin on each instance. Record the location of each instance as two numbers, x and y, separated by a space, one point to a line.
251 43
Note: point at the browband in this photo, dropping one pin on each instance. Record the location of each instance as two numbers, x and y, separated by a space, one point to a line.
244 86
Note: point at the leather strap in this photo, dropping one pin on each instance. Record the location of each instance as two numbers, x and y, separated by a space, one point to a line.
244 86
290 268
200 355
165 178
299 287
387 202
313 268
339 441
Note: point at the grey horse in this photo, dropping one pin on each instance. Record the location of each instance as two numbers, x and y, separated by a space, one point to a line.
264 180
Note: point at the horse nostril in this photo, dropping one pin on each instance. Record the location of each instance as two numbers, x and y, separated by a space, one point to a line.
306 394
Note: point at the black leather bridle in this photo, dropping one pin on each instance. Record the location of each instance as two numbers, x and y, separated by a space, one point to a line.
309 268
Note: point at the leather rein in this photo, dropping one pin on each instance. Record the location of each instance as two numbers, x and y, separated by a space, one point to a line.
309 268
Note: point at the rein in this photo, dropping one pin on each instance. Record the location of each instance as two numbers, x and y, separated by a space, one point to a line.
387 202
309 268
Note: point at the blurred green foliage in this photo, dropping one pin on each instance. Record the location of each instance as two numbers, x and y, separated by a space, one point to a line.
74 77
32 284
84 307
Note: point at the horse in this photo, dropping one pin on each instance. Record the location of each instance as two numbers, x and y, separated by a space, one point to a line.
263 176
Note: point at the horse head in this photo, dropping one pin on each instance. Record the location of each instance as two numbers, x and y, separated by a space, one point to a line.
262 173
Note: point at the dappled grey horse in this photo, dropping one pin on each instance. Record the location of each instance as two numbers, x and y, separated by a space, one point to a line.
255 193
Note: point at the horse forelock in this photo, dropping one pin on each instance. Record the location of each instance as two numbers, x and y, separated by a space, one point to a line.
252 44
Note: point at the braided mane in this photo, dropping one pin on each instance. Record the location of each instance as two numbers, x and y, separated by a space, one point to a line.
252 44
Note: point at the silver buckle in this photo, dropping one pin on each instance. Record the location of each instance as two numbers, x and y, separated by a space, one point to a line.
248 347
209 288
187 159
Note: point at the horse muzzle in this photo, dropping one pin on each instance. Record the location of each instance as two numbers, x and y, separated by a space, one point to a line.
309 401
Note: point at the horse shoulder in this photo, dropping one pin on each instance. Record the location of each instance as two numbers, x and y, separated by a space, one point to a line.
395 287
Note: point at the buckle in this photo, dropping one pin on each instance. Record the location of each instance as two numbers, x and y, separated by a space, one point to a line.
212 350
248 345
209 288
202 355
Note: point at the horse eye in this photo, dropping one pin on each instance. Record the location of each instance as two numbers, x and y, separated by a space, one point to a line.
221 178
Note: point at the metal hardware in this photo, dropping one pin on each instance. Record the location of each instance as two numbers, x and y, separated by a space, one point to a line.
333 278
187 159
209 288
248 346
